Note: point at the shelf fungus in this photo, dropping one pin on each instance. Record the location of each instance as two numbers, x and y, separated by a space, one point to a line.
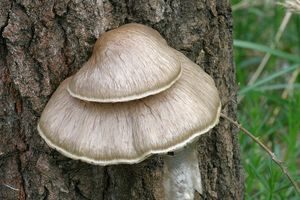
135 97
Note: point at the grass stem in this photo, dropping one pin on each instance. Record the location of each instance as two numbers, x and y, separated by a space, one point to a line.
267 56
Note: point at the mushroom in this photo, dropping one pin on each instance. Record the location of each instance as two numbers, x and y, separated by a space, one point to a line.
130 62
138 120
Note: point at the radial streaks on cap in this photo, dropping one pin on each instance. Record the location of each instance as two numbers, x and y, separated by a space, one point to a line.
127 63
129 132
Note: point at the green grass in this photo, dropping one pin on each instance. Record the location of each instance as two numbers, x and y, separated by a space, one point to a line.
255 27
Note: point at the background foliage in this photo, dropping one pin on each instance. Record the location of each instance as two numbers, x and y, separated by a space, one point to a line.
270 105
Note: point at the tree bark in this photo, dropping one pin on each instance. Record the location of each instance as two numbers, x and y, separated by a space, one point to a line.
43 42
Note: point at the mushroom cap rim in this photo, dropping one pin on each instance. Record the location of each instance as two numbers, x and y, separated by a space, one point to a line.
129 97
139 159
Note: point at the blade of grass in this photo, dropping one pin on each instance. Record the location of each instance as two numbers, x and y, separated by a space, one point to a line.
278 87
268 78
266 49
267 56
285 94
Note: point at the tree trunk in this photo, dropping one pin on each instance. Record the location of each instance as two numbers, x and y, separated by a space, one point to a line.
44 41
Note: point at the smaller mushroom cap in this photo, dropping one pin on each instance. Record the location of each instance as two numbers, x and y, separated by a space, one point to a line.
130 62
128 132
145 30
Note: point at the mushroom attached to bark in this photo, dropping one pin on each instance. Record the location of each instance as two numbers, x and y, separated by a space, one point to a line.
130 62
128 132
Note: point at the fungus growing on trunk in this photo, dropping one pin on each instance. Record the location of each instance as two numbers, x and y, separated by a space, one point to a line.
136 115
128 63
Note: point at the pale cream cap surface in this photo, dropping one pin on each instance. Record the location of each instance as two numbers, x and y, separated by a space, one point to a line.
130 62
114 133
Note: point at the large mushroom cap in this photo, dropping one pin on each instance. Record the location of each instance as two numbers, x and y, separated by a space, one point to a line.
129 132
130 62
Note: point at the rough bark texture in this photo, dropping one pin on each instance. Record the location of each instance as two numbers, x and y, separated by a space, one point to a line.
44 41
